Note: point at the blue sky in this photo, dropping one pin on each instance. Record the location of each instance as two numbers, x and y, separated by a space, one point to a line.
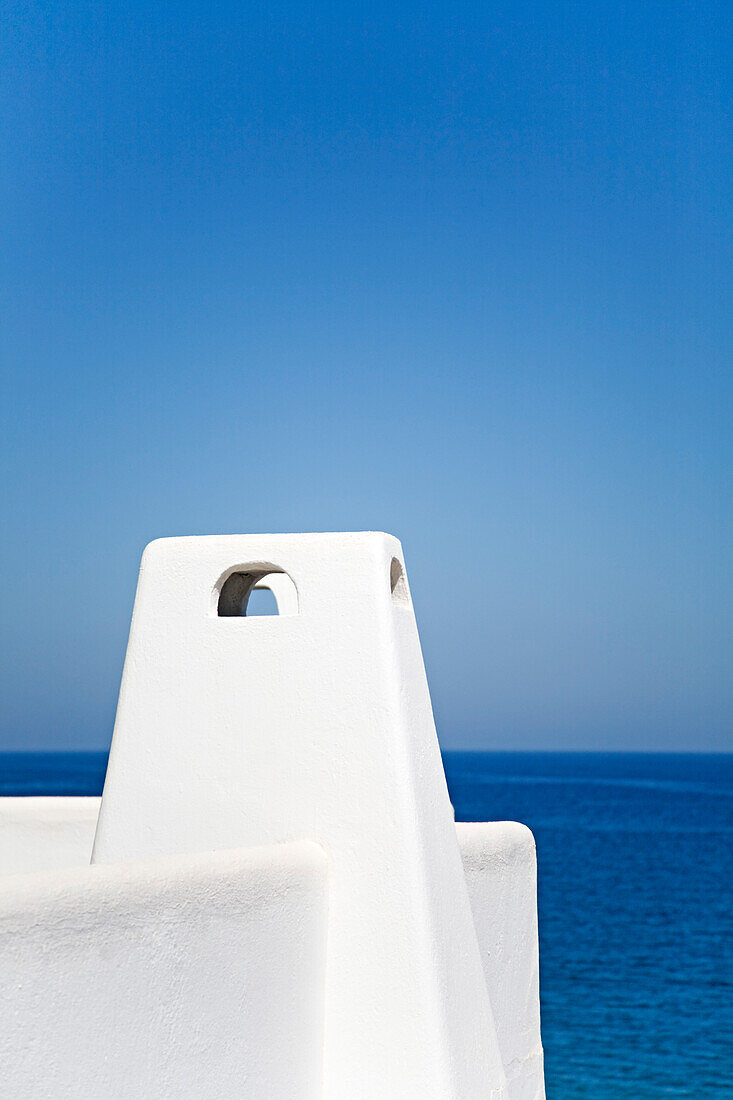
457 271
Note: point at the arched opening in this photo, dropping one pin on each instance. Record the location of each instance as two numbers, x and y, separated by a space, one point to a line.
261 601
254 592
398 583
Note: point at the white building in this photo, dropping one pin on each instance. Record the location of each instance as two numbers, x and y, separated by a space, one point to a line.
273 899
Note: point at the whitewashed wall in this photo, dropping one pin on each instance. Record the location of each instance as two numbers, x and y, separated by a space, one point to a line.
188 977
46 834
317 723
501 872
500 868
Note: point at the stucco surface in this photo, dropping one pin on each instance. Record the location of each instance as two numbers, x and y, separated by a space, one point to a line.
212 948
500 868
501 873
46 834
238 731
186 976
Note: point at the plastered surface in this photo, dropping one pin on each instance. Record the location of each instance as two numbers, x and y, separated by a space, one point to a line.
501 872
237 731
46 834
182 977
500 867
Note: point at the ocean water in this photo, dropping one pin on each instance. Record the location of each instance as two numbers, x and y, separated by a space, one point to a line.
635 888
635 883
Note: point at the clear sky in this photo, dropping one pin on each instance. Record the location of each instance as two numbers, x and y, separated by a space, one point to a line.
458 271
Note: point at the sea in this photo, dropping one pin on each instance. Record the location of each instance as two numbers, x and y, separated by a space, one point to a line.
635 892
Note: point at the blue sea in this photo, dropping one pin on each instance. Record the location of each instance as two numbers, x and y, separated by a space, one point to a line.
635 887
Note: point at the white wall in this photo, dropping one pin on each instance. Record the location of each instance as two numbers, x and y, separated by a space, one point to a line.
194 977
46 834
501 872
500 868
237 731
